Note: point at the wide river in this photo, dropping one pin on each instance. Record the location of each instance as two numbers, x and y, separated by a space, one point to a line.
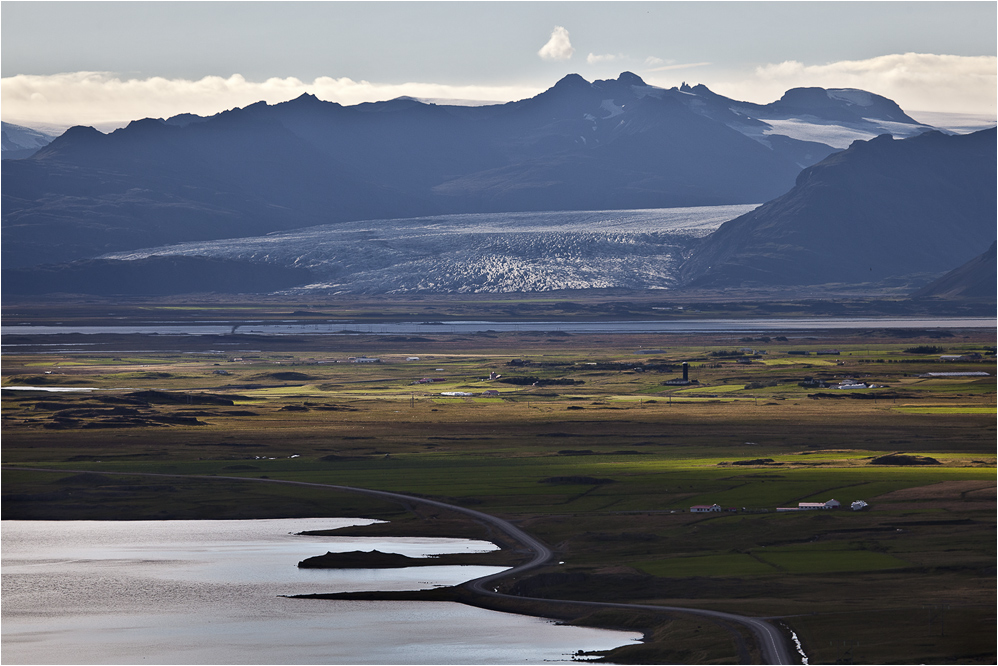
209 592
770 324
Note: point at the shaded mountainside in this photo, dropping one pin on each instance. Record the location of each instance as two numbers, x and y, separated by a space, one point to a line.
153 276
577 146
884 209
976 279
17 142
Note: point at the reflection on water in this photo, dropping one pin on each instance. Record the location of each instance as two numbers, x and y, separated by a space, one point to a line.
209 592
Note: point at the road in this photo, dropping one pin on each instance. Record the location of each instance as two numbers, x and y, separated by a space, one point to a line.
774 646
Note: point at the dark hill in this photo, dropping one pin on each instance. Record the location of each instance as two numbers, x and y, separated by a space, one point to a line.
881 209
977 279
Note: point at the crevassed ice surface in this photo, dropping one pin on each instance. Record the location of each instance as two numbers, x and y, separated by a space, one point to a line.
481 252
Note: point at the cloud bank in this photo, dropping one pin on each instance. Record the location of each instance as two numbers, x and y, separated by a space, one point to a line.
96 98
559 47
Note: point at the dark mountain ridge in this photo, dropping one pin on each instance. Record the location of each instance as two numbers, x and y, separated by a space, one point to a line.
882 209
610 144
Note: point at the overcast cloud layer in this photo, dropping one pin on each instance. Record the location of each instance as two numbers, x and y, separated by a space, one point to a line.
916 81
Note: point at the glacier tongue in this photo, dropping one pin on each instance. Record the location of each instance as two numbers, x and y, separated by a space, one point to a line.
480 253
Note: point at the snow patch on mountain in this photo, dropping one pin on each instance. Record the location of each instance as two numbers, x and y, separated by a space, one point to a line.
612 110
18 141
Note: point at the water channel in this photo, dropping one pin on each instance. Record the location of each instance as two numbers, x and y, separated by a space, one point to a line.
209 592
290 327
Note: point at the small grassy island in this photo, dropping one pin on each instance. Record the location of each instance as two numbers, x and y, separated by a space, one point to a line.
375 559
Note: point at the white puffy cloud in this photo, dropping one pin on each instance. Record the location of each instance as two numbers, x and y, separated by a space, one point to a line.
916 81
103 98
559 47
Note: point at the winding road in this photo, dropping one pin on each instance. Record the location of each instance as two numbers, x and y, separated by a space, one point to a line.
772 643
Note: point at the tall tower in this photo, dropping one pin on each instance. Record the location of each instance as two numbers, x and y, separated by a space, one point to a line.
686 371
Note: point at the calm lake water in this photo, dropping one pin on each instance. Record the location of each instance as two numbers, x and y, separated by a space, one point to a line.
208 592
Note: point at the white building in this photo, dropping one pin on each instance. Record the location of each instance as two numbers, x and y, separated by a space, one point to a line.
705 508
811 506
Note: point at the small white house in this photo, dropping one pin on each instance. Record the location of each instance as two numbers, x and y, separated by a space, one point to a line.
705 508
412 358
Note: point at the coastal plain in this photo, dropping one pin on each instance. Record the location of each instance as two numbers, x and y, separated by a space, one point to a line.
583 444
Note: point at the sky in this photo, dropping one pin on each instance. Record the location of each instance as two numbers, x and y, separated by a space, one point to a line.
105 63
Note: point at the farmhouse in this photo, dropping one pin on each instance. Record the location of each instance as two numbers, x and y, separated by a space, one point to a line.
491 393
812 506
705 508
365 359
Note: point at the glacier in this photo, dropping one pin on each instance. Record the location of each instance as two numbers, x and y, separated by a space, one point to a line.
480 252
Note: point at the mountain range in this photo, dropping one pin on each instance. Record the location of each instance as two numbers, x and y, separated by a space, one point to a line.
406 195
611 144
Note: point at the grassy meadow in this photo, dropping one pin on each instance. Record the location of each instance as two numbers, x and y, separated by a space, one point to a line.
585 447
